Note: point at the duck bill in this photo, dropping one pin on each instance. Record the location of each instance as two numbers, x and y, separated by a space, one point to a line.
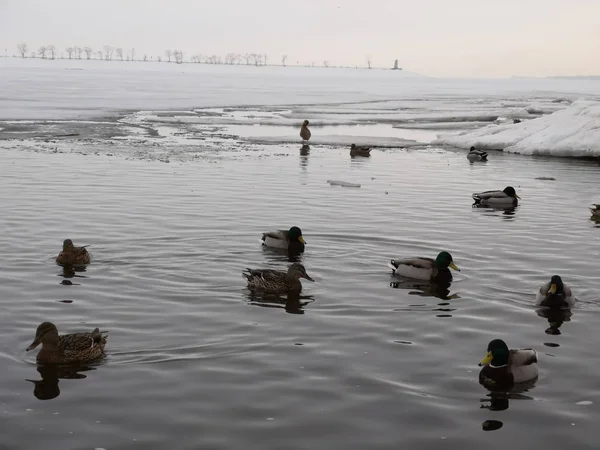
552 289
33 345
308 277
301 239
454 266
517 196
487 359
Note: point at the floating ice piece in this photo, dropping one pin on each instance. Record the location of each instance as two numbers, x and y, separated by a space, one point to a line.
585 403
342 183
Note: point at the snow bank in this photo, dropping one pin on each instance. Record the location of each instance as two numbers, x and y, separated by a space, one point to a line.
570 132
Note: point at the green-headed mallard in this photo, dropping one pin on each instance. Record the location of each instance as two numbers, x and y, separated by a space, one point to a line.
305 132
67 348
595 211
72 255
276 281
476 155
503 367
555 294
424 268
356 150
506 198
290 240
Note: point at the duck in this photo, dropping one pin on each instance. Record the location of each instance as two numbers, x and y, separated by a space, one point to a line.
505 198
275 281
476 155
67 348
502 368
356 150
555 294
72 255
595 211
305 132
425 268
292 239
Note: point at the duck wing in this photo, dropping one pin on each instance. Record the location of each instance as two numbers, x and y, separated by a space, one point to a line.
281 235
420 263
486 195
522 357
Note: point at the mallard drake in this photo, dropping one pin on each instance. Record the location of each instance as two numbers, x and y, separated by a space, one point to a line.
477 155
304 131
67 348
506 198
276 281
424 268
595 211
72 255
503 367
290 240
555 294
356 150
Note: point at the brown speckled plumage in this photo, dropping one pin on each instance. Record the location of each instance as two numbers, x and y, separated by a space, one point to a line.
67 348
72 255
356 150
276 281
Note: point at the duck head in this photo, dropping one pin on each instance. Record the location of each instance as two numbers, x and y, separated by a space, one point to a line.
444 260
46 333
496 355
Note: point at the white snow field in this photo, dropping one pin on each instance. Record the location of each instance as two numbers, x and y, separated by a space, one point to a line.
197 105
571 132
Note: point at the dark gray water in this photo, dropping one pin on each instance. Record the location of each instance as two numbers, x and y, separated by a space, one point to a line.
194 362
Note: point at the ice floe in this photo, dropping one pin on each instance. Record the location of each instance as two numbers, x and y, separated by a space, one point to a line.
570 132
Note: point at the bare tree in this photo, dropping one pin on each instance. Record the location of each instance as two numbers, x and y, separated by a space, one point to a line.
265 59
52 50
32 54
283 60
369 61
99 54
88 52
168 54
42 51
108 52
133 54
145 58
230 58
178 55
70 51
22 49
119 53
158 58
325 63
78 51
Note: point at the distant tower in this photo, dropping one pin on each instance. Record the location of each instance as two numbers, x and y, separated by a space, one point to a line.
396 65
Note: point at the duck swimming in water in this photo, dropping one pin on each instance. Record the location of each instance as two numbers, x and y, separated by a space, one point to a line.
424 268
356 150
276 281
502 368
476 155
505 198
67 348
555 294
72 255
291 239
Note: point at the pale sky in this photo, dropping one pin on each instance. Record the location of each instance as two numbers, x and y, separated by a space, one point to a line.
480 38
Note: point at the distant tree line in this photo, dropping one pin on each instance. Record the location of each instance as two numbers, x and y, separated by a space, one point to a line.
109 53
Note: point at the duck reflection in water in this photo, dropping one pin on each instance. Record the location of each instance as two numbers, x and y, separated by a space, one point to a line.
507 212
69 271
498 400
556 317
47 388
304 153
292 302
439 289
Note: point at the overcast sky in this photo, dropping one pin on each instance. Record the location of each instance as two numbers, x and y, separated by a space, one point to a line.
433 37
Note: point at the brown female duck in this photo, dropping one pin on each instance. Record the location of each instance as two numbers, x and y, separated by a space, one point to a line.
356 150
67 348
276 281
72 255
305 132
